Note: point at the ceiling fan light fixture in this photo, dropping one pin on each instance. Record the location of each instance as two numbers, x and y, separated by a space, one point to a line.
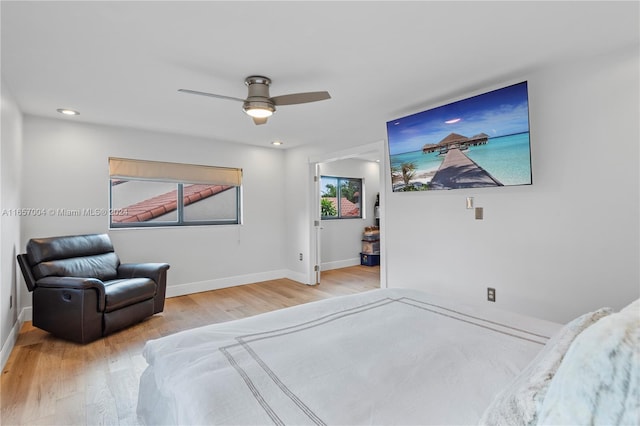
259 112
258 109
259 105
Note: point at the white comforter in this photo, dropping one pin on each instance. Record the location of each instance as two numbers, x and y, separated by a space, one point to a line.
387 356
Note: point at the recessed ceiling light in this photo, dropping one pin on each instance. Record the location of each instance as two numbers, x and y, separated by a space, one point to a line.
67 111
453 120
276 143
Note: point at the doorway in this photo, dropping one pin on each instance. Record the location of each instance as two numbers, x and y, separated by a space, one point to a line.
337 243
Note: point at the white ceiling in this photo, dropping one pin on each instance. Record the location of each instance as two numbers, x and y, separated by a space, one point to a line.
121 63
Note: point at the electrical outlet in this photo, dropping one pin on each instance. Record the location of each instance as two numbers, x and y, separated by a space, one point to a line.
491 294
300 256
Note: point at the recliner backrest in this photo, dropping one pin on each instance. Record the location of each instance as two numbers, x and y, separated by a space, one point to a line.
89 256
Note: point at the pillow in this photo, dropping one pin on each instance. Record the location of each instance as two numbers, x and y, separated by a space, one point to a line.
598 381
519 402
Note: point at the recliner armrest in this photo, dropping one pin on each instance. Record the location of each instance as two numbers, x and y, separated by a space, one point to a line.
25 267
76 283
153 271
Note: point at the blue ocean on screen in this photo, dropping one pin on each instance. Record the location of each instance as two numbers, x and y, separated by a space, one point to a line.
507 158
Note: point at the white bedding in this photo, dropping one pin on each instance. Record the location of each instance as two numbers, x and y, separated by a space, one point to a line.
388 356
598 382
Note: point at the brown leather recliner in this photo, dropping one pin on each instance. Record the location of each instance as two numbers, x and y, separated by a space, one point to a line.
82 292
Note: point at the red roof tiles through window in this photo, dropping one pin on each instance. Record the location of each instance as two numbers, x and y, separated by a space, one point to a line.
165 203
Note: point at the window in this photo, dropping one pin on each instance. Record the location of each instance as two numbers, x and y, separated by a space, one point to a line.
340 198
153 194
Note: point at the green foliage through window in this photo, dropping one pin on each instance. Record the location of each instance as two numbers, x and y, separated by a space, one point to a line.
341 198
328 208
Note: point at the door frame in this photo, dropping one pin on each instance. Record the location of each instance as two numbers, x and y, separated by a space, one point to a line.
379 151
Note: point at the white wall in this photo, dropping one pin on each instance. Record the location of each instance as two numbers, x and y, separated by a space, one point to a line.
10 164
298 186
567 244
66 166
341 239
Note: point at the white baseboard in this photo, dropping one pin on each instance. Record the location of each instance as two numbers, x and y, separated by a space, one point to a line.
340 264
197 287
299 277
25 315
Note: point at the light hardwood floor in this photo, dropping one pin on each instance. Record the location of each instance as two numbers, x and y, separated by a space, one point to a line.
48 381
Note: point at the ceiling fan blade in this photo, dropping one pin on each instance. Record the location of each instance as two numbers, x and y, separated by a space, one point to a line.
300 98
194 92
260 120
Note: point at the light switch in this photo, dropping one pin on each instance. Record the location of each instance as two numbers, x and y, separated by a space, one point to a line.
469 202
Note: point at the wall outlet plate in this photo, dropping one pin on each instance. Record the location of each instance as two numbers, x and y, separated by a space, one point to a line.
491 294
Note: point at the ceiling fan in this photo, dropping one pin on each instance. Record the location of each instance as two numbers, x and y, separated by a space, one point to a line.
259 105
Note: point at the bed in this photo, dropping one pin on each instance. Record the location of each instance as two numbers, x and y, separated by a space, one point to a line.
387 356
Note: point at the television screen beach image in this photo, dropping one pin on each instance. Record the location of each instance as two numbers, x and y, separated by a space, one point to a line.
481 141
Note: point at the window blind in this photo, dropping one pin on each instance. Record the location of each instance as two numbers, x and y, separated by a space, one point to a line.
125 168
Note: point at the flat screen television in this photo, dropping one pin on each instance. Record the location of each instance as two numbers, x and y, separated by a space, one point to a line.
481 141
